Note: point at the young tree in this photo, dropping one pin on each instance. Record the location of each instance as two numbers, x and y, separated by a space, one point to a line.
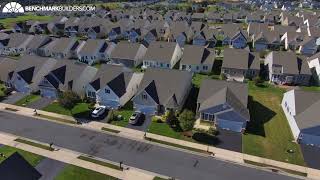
186 120
68 99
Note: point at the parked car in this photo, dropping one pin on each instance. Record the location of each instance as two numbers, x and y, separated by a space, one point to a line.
135 117
98 111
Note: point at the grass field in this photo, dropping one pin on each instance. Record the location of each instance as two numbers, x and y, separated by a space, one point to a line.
33 159
27 100
78 173
9 22
80 110
164 130
268 134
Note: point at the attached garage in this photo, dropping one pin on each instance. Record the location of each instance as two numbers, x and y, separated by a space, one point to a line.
231 121
50 93
151 110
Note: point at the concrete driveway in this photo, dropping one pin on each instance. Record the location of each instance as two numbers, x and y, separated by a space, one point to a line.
13 97
143 125
49 168
311 156
41 103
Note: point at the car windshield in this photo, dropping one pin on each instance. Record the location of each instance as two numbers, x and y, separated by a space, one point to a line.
134 115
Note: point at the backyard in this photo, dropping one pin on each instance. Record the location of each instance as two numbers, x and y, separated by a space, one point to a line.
268 134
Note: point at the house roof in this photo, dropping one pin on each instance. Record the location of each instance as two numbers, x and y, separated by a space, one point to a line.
307 105
290 63
117 77
240 59
197 55
126 50
16 167
38 41
160 51
7 67
166 87
16 39
60 44
92 46
231 30
28 66
256 28
215 92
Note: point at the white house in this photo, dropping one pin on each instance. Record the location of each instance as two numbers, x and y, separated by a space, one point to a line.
301 109
162 55
314 65
113 85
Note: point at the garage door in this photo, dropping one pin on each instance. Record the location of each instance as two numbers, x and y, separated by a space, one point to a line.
48 93
150 110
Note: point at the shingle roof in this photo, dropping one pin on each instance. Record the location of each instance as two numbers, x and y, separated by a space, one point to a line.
91 46
307 111
125 50
16 39
240 59
197 55
7 66
160 51
16 167
163 84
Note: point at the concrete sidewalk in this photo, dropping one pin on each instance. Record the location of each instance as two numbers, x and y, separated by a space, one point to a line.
222 154
71 157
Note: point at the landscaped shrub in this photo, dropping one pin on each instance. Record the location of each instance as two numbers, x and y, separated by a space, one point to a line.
187 120
68 99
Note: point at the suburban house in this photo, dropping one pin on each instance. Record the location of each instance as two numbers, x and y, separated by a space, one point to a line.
302 112
205 37
287 68
66 75
29 72
292 40
37 42
314 65
71 27
17 44
266 40
224 104
61 48
128 54
113 85
94 51
239 64
308 46
162 55
56 26
234 36
7 68
180 33
162 90
197 59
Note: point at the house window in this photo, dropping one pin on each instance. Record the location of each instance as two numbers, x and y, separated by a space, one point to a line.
168 65
144 96
107 91
205 68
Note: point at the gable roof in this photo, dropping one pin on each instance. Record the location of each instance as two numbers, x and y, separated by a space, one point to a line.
240 59
160 51
125 50
197 55
61 44
215 92
16 167
16 39
165 86
7 67
307 105
117 77
92 45
290 63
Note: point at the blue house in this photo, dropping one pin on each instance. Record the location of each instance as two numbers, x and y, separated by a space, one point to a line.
224 104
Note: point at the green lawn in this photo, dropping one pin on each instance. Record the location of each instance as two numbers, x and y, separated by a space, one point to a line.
33 159
311 88
8 22
27 100
78 173
164 129
126 111
268 134
197 78
80 110
2 90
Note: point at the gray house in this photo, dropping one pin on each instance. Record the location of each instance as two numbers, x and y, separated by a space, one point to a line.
239 64
162 55
224 104
162 90
66 75
234 36
29 72
17 44
197 59
302 112
287 68
113 85
7 67
128 54
37 42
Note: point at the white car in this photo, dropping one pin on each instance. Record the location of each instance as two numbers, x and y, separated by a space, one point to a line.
98 111
134 119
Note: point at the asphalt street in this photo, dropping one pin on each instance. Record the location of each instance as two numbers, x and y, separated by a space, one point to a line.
173 163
